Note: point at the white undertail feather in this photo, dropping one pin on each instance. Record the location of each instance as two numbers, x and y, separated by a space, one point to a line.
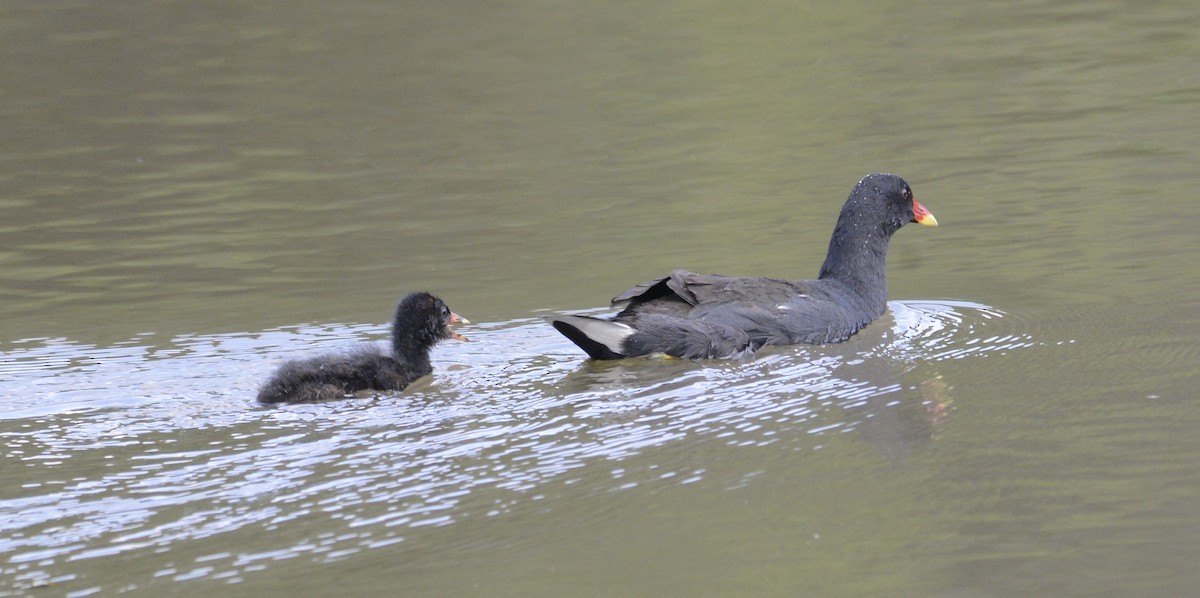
609 334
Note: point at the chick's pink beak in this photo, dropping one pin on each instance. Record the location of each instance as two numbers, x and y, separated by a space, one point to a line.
457 319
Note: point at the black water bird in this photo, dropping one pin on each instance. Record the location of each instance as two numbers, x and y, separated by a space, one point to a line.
422 320
698 316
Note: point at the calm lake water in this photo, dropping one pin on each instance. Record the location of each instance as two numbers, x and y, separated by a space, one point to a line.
191 193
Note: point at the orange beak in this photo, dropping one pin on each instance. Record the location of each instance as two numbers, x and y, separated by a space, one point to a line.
922 216
457 319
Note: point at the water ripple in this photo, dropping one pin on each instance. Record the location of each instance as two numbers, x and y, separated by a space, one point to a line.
144 447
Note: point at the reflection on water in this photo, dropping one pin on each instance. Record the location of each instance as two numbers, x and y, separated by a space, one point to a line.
155 449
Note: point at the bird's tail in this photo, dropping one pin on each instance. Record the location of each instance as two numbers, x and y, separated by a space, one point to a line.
601 339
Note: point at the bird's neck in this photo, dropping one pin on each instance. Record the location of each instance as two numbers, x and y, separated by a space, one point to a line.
857 258
412 349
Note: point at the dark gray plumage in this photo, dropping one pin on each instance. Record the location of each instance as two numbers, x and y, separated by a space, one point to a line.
421 321
700 316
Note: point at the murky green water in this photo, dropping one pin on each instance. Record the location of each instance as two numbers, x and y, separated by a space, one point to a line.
191 193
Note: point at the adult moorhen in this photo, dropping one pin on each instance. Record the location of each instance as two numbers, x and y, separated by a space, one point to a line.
698 316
